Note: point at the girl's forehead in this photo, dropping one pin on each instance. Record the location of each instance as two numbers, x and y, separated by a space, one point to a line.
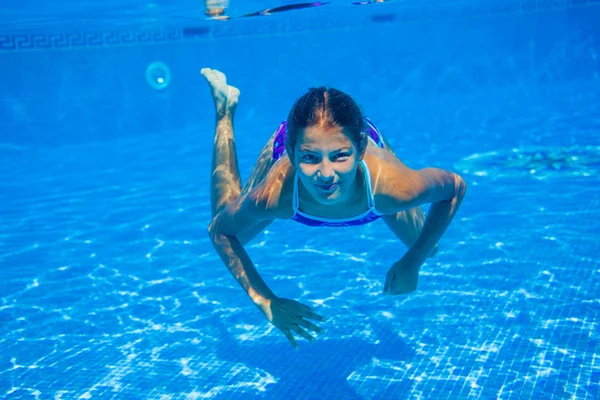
316 135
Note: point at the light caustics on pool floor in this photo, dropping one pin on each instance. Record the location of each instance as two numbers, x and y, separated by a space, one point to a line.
535 162
117 294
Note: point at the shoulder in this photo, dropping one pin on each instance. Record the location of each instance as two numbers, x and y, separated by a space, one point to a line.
392 181
272 197
267 201
396 187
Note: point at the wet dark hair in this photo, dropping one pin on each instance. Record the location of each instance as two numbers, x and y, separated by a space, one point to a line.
325 108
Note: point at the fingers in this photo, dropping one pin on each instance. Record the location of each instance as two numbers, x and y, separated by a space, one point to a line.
292 316
289 337
312 315
304 306
297 327
302 310
303 333
309 325
301 323
308 312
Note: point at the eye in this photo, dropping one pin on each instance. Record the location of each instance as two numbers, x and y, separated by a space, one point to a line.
342 156
309 158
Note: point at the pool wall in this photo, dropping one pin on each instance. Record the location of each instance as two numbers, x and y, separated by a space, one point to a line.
443 70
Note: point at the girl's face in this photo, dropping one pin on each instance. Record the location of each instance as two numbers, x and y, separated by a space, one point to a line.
326 160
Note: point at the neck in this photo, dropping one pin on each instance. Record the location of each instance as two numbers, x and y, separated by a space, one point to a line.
358 194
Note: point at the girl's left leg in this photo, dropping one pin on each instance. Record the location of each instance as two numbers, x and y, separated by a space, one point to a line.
225 181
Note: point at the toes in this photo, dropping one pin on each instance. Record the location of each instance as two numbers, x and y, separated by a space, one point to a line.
214 77
206 72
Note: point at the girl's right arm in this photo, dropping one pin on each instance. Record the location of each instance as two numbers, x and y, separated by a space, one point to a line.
241 215
247 214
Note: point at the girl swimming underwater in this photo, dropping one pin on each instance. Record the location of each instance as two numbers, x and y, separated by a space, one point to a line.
326 165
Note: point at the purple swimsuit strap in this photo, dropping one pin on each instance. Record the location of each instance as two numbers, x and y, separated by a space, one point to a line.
279 144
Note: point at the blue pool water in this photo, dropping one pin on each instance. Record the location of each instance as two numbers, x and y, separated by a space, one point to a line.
110 287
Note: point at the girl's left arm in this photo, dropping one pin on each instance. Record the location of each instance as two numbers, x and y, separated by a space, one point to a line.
445 191
411 188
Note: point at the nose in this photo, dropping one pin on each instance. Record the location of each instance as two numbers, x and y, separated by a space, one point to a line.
325 171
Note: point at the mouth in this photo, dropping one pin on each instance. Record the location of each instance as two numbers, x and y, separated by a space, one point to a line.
328 188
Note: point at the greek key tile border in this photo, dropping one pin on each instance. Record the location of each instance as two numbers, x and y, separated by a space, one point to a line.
362 16
85 39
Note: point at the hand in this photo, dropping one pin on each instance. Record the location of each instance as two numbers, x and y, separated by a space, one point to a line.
289 315
403 277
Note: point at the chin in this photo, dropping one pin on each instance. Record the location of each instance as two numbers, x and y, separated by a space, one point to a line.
327 201
330 198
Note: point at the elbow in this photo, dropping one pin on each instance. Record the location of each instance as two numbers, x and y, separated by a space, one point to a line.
212 229
460 187
215 231
215 235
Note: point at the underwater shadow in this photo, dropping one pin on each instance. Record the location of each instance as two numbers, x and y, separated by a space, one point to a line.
319 369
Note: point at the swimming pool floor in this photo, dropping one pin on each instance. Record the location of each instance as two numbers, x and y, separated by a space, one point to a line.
110 288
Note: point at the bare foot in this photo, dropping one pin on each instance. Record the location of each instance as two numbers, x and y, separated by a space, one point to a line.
225 96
